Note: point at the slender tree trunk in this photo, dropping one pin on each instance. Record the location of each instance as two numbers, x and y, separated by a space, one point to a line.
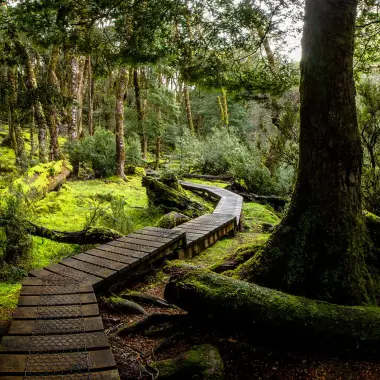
319 248
158 152
73 93
121 89
31 133
189 114
51 109
82 72
91 90
31 84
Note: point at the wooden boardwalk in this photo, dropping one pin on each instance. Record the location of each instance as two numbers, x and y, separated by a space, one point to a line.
57 331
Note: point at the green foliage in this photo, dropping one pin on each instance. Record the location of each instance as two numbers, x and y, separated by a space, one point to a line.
133 150
17 243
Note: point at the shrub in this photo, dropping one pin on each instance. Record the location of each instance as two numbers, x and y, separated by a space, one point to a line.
99 151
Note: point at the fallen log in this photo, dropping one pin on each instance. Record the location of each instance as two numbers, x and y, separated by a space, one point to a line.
40 180
240 306
90 235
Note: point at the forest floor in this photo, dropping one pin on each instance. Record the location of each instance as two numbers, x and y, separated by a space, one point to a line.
243 359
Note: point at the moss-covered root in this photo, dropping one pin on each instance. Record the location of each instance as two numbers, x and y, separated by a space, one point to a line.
144 298
170 199
147 323
120 305
247 307
201 362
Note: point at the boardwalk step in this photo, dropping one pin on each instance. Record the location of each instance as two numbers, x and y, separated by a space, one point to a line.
56 363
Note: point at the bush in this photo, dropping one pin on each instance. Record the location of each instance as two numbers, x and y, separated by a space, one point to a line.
99 151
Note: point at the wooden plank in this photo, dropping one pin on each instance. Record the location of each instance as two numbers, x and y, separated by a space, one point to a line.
102 375
126 252
114 265
92 269
55 326
138 235
75 274
40 343
60 299
30 290
105 253
32 312
53 363
133 247
138 242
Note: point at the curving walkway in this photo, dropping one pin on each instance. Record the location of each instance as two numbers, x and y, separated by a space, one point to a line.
57 331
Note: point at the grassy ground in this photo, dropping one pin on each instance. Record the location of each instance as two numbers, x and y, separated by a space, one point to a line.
111 202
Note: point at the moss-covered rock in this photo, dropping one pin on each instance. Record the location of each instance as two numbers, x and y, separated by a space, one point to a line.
201 362
169 199
252 309
172 219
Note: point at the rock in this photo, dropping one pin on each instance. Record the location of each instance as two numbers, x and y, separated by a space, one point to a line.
201 362
169 199
172 219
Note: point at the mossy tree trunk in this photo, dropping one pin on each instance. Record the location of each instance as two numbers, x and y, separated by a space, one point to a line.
121 88
189 113
319 248
17 139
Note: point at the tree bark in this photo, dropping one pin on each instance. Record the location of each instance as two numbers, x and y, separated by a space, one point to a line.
51 109
318 250
121 89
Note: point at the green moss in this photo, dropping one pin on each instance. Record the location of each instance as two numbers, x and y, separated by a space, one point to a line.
256 214
221 184
203 362
8 299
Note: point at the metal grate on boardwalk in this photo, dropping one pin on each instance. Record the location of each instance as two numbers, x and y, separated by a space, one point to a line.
57 331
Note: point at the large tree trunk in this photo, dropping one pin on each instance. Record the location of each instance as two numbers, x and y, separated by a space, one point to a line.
318 249
121 88
51 109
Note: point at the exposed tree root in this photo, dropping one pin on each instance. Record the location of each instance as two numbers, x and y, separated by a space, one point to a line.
153 320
